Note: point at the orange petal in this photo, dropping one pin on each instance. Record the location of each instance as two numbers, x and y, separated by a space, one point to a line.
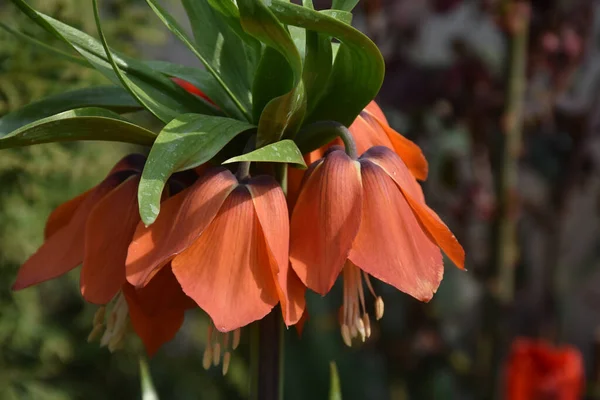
408 151
434 226
108 232
63 251
367 134
157 310
325 221
391 244
374 109
302 323
60 217
227 269
271 210
182 219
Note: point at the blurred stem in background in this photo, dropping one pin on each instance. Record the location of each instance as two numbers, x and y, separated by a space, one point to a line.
500 295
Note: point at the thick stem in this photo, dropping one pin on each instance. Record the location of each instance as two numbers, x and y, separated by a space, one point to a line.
321 133
270 368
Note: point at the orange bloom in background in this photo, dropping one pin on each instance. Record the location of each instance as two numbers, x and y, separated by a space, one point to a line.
95 229
228 243
191 89
537 370
367 214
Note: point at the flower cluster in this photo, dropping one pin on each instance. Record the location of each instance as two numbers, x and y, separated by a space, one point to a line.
235 246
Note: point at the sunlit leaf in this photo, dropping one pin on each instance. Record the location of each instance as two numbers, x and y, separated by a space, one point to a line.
111 98
82 124
284 151
335 391
186 142
358 70
226 95
282 114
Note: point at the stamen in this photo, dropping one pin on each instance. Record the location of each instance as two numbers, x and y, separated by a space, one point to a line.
236 338
354 319
217 343
226 361
379 308
207 357
115 325
216 354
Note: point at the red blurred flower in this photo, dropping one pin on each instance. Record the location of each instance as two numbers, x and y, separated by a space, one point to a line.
536 370
191 89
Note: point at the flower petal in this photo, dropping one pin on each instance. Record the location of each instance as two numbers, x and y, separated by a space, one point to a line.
391 244
367 133
109 230
325 221
408 151
60 217
182 219
157 310
63 251
438 231
227 269
374 109
272 212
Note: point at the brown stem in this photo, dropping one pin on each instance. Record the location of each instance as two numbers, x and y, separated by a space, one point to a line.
270 357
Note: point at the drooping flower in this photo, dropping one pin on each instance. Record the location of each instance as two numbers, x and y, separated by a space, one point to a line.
228 243
367 217
94 230
537 370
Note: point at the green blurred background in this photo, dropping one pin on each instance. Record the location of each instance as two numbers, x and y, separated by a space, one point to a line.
445 88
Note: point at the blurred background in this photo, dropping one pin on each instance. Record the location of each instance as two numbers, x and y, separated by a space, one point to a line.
524 202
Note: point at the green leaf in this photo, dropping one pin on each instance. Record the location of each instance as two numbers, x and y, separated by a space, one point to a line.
335 391
343 16
281 115
274 78
242 86
284 151
317 67
161 110
186 142
147 386
90 123
219 35
159 88
358 70
109 97
344 5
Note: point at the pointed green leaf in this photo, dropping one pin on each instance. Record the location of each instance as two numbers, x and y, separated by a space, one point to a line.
90 123
219 36
186 142
318 63
335 391
158 87
173 25
358 70
344 5
284 151
109 97
281 115
162 110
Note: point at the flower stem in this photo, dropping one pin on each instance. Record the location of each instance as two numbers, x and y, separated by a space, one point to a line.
270 365
320 133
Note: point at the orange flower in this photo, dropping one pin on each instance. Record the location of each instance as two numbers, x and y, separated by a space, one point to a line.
228 242
367 214
95 229
191 89
369 129
537 370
